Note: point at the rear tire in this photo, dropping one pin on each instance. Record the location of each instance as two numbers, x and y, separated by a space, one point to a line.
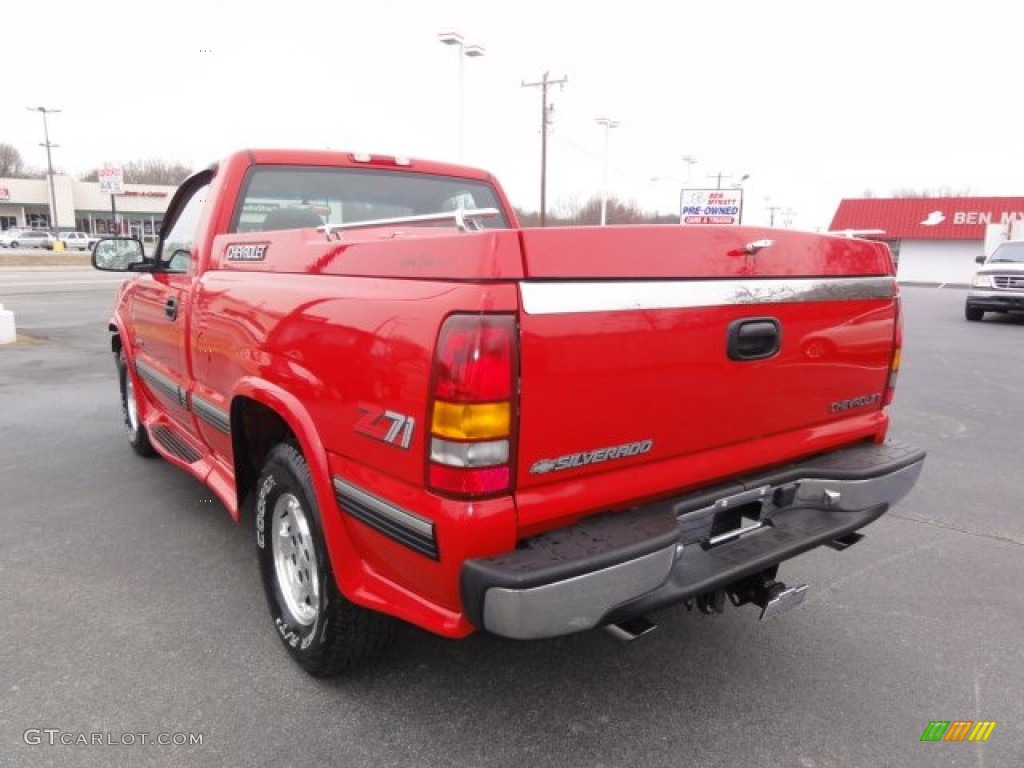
324 632
138 437
973 313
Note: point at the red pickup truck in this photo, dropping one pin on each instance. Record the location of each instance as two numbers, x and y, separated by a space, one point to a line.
439 417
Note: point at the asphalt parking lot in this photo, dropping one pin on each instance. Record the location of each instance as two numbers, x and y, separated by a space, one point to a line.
131 603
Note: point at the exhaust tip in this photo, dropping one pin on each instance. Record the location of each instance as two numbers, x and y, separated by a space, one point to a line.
631 629
784 601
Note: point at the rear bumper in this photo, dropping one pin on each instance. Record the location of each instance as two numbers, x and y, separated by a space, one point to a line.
612 567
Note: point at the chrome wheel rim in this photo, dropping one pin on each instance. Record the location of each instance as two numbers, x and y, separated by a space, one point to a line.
130 406
295 560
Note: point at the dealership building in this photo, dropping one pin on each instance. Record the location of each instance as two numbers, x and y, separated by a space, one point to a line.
935 239
81 206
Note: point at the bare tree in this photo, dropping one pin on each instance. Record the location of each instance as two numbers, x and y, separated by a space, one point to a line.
572 212
11 164
13 167
151 171
936 192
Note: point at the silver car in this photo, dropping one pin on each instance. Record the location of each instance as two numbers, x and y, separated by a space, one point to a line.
29 238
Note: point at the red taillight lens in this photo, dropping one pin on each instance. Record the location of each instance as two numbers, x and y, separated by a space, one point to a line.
472 409
897 354
475 359
469 482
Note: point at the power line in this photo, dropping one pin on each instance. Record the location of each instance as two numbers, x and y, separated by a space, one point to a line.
545 120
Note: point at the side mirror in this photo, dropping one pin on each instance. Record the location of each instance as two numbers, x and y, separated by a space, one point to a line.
118 254
980 260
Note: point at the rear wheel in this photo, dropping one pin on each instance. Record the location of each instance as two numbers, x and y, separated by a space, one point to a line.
321 629
973 313
138 438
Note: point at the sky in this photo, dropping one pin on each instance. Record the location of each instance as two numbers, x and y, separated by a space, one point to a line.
813 101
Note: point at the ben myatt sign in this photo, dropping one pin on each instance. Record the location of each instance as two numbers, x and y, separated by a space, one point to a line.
710 206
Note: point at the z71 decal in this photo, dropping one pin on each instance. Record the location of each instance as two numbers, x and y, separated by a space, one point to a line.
387 426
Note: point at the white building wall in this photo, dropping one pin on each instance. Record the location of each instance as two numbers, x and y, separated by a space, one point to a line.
938 261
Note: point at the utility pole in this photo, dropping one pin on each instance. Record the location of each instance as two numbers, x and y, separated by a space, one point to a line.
771 214
718 178
608 124
49 162
544 83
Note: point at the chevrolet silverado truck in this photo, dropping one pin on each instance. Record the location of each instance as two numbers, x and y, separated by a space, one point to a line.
998 285
432 415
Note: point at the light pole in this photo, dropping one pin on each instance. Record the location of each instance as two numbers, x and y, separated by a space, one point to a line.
465 51
739 186
49 162
608 124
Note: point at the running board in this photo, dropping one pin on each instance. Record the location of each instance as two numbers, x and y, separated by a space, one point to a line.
173 444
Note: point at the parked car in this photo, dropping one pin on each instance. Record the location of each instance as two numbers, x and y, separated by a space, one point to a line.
29 238
81 241
8 235
998 285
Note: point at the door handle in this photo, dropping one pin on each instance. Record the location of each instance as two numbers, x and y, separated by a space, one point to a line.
754 338
171 308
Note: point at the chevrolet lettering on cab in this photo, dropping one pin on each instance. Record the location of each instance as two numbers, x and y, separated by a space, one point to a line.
428 414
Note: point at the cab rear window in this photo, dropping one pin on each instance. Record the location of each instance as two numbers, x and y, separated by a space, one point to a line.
281 197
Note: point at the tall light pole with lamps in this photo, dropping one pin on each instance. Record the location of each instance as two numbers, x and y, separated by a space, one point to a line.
465 52
49 162
608 124
739 186
690 161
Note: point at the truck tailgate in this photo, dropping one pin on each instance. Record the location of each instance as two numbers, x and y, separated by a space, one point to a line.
646 344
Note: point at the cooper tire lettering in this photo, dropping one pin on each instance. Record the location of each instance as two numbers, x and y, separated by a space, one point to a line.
324 632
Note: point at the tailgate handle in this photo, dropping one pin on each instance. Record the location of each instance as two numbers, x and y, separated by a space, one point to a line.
754 338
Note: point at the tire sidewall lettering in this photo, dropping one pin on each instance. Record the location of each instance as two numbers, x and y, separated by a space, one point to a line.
261 509
277 480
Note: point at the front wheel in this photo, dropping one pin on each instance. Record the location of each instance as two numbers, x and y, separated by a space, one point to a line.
321 629
973 313
138 438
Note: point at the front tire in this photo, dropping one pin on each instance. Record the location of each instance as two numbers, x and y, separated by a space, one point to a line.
138 437
322 630
973 313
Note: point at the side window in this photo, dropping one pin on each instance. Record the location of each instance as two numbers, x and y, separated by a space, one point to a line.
176 251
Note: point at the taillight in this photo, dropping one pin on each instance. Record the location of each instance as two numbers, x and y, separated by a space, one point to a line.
897 354
473 406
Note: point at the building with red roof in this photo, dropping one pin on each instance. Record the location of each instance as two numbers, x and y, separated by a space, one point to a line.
935 239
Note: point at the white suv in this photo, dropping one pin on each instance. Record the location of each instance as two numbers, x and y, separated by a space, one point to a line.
999 284
79 240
